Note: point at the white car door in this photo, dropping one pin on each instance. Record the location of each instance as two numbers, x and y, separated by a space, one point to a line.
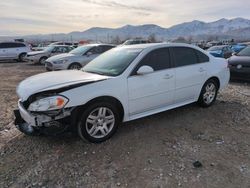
153 90
191 72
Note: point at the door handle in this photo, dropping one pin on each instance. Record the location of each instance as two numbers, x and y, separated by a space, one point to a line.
168 76
202 70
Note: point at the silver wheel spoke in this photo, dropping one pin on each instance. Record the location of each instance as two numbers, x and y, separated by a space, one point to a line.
102 112
100 122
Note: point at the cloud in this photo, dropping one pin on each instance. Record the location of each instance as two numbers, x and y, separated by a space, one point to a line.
114 4
49 16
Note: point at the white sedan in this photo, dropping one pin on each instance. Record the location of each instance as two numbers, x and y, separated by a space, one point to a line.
77 58
123 84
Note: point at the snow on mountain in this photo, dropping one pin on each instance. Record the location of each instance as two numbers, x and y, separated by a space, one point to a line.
237 28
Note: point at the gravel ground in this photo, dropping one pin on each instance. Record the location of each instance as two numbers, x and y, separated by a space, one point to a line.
157 151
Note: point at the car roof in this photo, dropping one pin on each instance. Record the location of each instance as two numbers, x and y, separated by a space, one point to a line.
158 45
97 44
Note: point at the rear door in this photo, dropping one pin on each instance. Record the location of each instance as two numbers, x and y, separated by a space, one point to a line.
154 90
191 72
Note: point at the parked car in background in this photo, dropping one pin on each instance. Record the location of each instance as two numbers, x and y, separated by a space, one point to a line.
77 58
240 65
223 51
135 41
41 56
238 47
123 84
73 44
13 50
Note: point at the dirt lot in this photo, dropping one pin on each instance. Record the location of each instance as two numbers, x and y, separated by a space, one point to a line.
157 151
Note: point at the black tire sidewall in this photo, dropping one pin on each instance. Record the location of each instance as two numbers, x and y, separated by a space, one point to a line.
72 64
21 57
81 127
41 59
201 100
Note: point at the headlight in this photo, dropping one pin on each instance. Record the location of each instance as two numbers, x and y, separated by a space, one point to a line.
61 61
48 103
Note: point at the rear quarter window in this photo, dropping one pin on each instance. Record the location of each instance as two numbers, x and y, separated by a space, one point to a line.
202 58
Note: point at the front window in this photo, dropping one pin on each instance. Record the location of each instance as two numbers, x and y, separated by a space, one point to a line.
49 49
113 62
244 52
80 50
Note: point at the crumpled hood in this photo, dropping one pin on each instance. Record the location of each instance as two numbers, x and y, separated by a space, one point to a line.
54 80
60 57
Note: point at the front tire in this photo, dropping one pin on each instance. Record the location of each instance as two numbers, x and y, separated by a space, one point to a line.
98 122
75 66
42 60
208 93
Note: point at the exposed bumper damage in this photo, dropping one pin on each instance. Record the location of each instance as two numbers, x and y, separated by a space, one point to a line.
51 122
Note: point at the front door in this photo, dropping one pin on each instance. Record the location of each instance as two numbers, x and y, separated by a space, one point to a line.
153 90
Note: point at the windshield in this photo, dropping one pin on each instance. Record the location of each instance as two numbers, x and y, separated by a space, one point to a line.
113 62
49 48
215 48
244 52
80 50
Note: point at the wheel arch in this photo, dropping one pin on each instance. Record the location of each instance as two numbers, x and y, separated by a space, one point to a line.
215 78
106 98
74 63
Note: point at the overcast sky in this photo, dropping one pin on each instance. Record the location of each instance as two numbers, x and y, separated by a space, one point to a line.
20 17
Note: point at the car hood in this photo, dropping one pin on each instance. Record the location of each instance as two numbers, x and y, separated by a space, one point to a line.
52 81
36 52
60 56
239 59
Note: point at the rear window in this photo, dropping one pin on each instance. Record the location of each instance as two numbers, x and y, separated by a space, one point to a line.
202 58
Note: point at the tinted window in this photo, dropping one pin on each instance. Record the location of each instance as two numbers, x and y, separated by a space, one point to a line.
96 50
11 45
20 45
202 58
184 56
106 48
158 59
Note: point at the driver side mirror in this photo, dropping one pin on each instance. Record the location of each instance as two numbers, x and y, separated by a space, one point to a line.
145 70
234 53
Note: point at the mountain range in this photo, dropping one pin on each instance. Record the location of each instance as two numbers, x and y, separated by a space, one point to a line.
237 28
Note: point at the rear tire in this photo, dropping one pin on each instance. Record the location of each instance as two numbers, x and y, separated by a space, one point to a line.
98 122
208 93
21 57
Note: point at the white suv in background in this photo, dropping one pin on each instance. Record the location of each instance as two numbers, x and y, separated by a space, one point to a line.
13 51
123 84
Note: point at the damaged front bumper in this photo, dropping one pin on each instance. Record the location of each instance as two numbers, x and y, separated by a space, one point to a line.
30 123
